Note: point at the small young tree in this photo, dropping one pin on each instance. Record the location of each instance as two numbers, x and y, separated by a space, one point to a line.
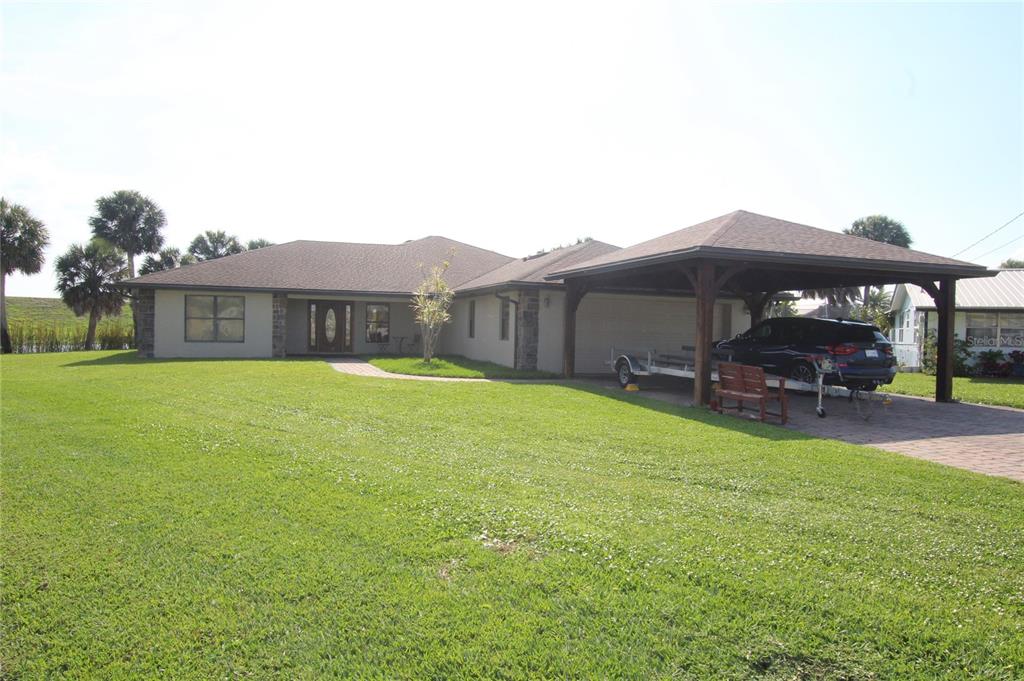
431 302
85 279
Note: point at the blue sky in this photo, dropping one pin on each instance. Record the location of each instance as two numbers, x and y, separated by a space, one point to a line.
517 126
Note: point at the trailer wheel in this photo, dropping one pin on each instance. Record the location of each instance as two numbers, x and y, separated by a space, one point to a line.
623 373
803 372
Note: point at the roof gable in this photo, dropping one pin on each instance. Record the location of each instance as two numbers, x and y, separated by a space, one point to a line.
534 269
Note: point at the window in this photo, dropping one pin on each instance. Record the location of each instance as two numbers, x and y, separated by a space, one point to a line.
312 325
215 319
503 320
1011 329
378 328
472 319
982 329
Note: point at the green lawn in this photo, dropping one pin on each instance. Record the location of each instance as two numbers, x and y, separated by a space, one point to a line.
51 311
279 519
451 366
1008 392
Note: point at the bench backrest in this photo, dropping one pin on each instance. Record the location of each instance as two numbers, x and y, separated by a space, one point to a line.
753 380
730 376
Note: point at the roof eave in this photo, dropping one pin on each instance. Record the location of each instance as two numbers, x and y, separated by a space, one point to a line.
768 257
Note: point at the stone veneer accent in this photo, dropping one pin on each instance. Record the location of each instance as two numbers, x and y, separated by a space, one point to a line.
145 318
527 329
280 324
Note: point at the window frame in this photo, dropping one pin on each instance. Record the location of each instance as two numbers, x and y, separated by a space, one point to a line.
215 318
504 310
472 318
366 322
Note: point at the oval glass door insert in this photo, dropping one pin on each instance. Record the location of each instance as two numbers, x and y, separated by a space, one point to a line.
330 325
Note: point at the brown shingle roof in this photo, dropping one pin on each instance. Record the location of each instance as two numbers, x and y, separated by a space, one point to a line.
332 266
742 234
534 269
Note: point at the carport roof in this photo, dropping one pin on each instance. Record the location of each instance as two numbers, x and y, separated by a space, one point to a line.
745 236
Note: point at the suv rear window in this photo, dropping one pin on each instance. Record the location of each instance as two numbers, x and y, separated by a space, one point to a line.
855 333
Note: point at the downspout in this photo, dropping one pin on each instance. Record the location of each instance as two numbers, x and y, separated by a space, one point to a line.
515 334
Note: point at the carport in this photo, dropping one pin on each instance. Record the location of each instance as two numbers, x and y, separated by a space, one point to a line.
754 257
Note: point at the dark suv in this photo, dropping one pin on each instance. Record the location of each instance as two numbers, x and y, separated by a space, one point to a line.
784 346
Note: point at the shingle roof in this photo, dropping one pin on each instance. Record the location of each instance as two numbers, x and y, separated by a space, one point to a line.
332 266
533 269
743 234
1005 290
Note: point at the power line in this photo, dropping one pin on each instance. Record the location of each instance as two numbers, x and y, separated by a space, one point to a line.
1007 224
1001 247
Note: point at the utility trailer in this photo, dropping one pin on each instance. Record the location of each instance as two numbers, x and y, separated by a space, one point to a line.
628 366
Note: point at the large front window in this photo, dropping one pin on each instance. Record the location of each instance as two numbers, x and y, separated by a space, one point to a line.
503 321
215 319
983 329
378 323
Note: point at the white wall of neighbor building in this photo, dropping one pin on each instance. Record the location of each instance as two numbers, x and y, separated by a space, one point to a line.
169 326
910 325
402 324
551 317
486 345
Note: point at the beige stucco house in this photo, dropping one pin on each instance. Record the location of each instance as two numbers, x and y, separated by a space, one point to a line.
561 311
327 298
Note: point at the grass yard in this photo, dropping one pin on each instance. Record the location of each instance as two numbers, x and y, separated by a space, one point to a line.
277 518
1008 392
50 311
450 366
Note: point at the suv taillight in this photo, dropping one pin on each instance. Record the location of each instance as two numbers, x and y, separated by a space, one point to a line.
842 349
887 349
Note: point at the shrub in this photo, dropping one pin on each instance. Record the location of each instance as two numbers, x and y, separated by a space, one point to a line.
961 355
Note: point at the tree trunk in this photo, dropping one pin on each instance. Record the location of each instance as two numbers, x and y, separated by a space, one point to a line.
867 296
5 337
90 335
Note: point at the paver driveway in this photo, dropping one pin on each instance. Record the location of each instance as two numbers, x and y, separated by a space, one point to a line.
979 438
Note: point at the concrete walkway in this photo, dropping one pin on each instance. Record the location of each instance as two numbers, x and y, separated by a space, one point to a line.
979 438
360 367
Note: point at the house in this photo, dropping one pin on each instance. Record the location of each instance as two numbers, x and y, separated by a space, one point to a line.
560 311
989 316
330 298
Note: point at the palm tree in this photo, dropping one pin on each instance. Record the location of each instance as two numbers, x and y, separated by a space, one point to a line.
85 279
166 259
131 222
211 245
878 228
22 240
258 243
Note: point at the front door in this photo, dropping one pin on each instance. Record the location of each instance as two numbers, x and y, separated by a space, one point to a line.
330 326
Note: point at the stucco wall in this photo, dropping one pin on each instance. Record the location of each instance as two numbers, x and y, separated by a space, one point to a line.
641 323
402 323
487 345
603 321
169 326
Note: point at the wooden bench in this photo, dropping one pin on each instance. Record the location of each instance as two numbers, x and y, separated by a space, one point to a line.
741 383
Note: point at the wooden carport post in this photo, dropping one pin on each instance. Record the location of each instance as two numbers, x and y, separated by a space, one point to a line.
944 296
706 290
574 292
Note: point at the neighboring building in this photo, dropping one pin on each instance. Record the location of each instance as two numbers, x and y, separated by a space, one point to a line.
989 315
327 298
